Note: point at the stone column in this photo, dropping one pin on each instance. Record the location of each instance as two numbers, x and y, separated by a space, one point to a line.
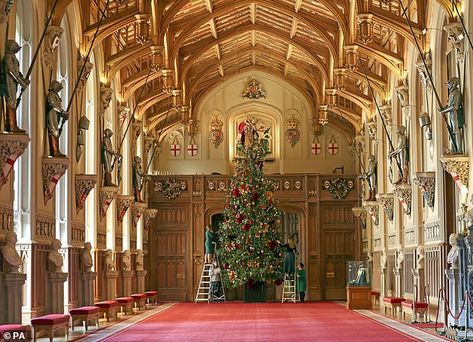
383 285
56 291
140 281
87 280
12 293
126 283
110 284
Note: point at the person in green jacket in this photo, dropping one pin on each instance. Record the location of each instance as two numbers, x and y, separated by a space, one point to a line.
209 244
301 282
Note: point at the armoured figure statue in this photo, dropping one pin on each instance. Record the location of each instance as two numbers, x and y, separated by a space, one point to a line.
400 153
54 114
138 175
455 117
10 78
107 157
371 177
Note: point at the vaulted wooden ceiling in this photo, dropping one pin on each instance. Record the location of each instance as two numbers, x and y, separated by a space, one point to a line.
179 50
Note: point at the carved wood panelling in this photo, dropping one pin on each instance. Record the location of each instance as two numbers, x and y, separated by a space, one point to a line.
432 231
78 234
434 269
409 236
171 216
390 281
45 227
6 219
407 269
376 272
337 215
74 275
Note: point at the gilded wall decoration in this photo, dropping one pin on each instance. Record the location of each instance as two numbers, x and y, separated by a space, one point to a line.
216 132
12 146
84 184
171 188
123 203
458 168
292 132
106 195
53 170
254 91
404 194
426 182
387 201
372 208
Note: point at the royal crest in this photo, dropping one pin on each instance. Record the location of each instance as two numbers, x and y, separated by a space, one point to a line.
254 91
216 133
292 132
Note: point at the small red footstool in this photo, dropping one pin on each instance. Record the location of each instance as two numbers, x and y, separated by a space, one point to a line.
374 298
408 307
50 324
392 303
126 304
85 314
139 299
109 308
14 332
152 297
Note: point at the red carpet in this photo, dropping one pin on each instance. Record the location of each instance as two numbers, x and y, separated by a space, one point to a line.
258 322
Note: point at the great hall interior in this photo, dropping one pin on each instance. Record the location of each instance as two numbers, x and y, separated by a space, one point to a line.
129 126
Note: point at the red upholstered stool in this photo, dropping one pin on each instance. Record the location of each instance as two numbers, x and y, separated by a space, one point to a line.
85 314
15 332
139 299
126 304
152 297
50 324
109 308
408 307
374 298
392 303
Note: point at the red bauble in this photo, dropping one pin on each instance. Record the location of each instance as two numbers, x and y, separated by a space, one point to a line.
226 266
255 196
272 244
246 227
236 192
278 282
240 218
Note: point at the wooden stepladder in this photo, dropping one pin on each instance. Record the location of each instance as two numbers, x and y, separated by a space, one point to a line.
288 290
204 286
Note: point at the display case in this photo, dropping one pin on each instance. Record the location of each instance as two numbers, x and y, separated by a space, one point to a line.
358 285
358 273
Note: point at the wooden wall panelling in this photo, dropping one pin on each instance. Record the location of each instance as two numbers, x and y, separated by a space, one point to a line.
390 280
408 277
74 276
376 272
100 283
313 247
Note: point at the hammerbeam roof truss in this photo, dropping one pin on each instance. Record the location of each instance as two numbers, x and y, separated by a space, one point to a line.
202 43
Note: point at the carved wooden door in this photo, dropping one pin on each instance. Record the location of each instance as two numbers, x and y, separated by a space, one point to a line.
339 247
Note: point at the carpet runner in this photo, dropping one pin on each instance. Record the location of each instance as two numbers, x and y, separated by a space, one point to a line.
259 322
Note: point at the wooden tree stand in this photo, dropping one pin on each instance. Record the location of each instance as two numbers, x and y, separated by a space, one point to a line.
358 297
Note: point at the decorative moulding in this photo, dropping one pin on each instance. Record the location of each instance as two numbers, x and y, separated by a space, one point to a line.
106 195
51 41
138 210
360 212
84 184
123 203
387 201
106 94
53 169
423 70
366 27
171 188
351 54
386 111
458 168
150 214
372 208
426 182
402 92
12 146
404 194
85 72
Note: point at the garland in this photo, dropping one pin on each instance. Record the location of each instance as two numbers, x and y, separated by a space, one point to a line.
338 187
171 188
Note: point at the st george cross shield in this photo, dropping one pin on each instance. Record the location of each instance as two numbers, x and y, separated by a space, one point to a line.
332 146
316 147
192 150
175 150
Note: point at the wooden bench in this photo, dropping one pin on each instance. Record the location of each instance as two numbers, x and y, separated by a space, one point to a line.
374 298
152 297
85 314
109 308
50 324
139 299
126 304
392 303
408 307
14 332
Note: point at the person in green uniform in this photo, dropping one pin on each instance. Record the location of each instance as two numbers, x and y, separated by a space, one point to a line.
301 282
209 244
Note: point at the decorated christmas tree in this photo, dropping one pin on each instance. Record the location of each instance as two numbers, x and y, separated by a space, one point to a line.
250 248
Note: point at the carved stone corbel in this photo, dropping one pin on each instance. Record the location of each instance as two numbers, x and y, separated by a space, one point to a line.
386 112
51 41
455 36
331 96
123 203
387 202
404 194
366 27
458 168
372 127
136 129
372 208
360 212
106 195
423 70
351 57
142 29
157 57
150 214
168 75
12 146
84 184
138 209
53 169
123 112
426 182
323 115
106 94
402 92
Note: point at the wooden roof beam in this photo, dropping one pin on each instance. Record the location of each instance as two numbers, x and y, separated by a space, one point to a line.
208 5
294 24
297 5
253 13
213 28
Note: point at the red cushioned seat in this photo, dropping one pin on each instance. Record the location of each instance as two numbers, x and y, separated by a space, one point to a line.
12 327
138 296
393 300
410 304
124 300
106 304
374 293
151 293
85 310
51 319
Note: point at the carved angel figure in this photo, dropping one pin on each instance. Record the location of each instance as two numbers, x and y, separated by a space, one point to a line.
455 117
